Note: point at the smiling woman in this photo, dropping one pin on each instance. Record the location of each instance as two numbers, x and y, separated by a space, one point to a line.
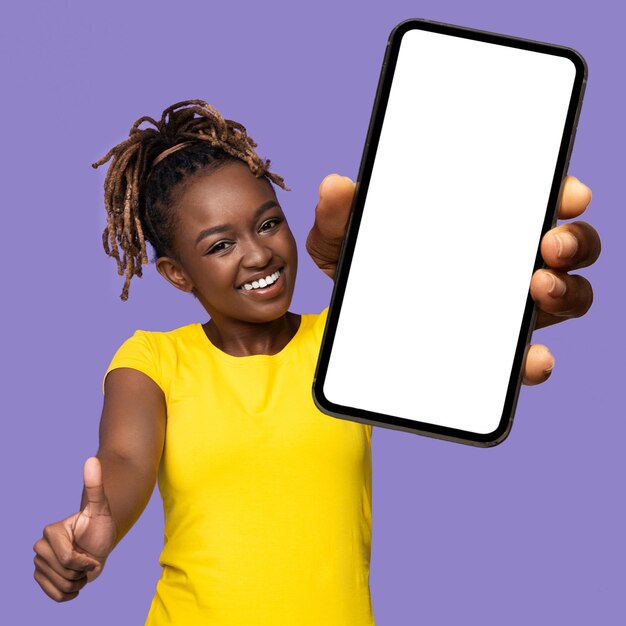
139 196
267 501
231 231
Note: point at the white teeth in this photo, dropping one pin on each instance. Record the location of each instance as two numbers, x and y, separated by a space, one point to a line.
262 282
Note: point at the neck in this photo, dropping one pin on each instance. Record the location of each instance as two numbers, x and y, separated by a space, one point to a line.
239 338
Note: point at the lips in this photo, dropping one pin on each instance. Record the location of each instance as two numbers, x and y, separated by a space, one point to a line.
261 280
269 292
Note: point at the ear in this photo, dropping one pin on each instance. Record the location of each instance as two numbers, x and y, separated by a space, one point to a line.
174 274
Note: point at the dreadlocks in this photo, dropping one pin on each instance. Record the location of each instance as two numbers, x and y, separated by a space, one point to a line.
141 184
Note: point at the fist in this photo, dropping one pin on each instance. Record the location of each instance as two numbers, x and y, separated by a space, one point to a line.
72 552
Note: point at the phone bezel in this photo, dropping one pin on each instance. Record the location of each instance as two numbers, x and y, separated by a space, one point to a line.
362 184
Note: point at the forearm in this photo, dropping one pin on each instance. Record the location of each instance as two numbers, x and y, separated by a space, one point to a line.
128 488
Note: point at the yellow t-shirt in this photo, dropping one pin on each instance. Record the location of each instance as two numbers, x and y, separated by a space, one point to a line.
267 500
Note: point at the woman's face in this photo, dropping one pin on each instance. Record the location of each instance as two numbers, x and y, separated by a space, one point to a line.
235 249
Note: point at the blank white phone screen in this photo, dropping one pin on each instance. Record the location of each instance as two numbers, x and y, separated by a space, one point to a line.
445 252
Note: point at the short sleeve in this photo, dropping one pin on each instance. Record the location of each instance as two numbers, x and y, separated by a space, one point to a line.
137 352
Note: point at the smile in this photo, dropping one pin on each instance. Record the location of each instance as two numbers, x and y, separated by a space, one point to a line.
270 279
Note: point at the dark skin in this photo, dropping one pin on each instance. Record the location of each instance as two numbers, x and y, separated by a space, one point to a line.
252 240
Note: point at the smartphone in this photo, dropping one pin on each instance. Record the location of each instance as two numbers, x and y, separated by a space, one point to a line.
466 154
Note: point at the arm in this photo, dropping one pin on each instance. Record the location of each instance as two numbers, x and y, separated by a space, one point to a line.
118 485
132 434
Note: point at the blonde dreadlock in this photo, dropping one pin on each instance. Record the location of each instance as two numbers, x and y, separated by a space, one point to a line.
138 195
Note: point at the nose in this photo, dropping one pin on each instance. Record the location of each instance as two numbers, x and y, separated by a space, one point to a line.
256 253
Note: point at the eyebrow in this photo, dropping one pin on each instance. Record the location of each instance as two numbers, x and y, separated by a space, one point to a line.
225 227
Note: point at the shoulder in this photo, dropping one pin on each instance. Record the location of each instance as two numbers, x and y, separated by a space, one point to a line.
155 353
163 339
156 344
319 319
313 324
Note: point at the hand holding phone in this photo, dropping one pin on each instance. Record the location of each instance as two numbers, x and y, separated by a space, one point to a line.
460 114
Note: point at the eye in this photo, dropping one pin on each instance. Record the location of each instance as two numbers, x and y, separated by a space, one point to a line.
270 224
220 246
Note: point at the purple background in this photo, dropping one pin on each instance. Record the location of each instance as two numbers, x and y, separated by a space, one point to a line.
529 532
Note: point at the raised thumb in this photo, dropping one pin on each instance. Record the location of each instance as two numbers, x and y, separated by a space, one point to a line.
93 529
94 488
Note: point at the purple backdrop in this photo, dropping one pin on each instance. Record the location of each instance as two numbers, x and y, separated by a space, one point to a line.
530 532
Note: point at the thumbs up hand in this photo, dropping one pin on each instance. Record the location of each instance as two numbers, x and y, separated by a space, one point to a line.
93 529
73 552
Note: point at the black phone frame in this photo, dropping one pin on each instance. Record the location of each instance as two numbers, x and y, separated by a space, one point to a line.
362 184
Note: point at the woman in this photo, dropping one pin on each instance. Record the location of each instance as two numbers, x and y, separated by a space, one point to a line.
267 501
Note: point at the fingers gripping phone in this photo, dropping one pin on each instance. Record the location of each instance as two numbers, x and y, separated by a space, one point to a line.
466 153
